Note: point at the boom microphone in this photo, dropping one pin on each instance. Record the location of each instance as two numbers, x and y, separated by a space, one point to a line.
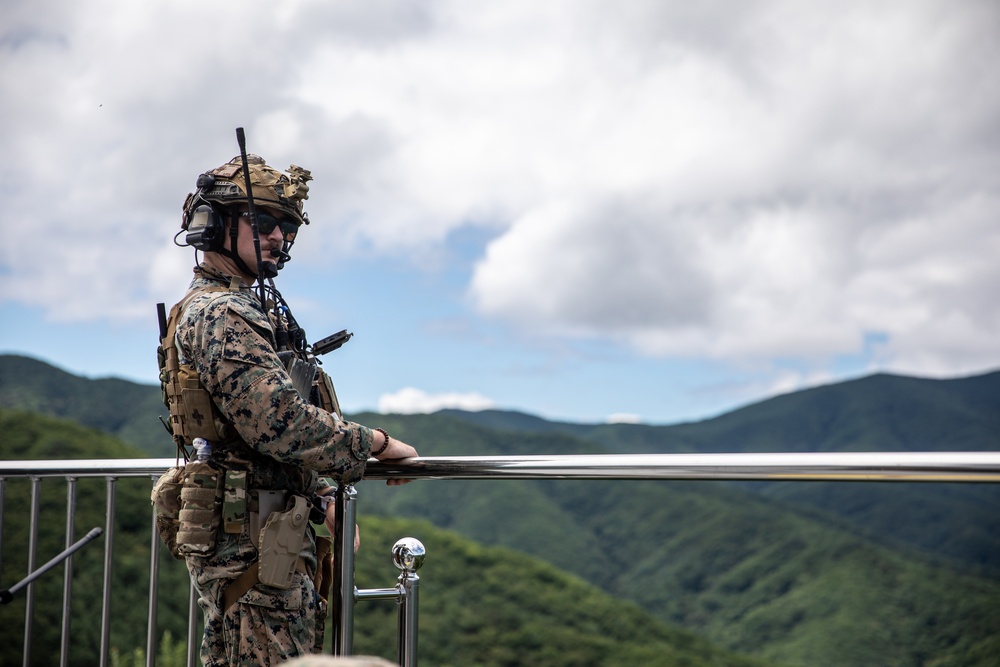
281 256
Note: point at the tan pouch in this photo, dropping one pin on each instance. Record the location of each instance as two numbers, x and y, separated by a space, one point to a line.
281 540
166 498
201 509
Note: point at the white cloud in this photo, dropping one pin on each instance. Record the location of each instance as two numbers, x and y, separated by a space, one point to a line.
410 400
825 187
624 418
725 181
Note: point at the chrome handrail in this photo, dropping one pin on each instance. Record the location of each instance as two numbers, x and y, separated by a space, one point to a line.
770 466
801 466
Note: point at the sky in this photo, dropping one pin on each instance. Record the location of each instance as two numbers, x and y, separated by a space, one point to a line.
646 210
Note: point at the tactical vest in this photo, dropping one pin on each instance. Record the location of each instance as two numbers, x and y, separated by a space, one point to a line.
193 413
194 500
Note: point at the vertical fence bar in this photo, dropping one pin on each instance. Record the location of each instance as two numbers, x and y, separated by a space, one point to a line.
407 640
29 605
154 577
342 593
192 639
3 496
68 571
109 543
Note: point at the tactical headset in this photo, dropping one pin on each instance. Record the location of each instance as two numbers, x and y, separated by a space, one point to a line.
204 224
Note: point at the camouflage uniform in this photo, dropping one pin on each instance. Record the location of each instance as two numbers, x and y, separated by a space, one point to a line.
284 443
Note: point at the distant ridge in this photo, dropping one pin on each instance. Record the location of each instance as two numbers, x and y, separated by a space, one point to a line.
880 412
122 408
839 574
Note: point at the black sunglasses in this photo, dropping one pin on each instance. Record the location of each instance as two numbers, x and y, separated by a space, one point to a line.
267 222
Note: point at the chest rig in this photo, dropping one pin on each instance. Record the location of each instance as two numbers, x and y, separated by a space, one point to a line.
222 490
193 413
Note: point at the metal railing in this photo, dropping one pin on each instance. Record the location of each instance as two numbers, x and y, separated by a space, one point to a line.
407 553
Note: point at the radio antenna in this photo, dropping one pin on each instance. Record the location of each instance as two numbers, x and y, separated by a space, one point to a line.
242 140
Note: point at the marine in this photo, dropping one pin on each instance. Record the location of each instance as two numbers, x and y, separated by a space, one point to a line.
257 422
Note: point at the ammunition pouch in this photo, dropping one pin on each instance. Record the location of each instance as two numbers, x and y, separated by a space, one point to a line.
166 499
201 509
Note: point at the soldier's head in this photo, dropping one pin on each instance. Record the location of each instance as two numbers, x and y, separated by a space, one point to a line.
216 216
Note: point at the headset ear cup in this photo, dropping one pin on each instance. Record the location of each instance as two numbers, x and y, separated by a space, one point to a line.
205 229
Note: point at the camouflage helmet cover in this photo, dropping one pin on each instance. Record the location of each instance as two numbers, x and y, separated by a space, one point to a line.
226 186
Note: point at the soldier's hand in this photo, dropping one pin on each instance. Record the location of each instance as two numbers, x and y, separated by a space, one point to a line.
330 520
397 449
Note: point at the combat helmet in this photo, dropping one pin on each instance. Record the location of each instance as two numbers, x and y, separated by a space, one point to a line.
226 186
221 190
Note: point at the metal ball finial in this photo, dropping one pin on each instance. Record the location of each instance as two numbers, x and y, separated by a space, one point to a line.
408 554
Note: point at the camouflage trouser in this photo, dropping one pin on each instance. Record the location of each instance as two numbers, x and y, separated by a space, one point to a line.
266 626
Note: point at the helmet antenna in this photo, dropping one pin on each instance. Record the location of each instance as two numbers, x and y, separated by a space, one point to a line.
261 272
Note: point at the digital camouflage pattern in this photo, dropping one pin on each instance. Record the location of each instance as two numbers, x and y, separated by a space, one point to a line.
265 627
281 443
234 507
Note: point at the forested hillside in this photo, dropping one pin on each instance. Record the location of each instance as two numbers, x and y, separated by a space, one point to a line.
479 606
121 408
957 522
799 573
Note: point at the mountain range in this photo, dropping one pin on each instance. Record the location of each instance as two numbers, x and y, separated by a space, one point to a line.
793 573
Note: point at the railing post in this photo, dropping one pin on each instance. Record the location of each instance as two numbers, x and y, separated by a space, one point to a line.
68 571
3 497
408 555
29 605
109 543
154 575
193 645
342 593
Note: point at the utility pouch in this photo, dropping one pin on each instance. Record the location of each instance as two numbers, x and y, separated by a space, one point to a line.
201 509
192 412
166 498
234 507
281 540
201 418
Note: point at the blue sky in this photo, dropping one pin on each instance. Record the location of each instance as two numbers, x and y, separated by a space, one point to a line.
648 210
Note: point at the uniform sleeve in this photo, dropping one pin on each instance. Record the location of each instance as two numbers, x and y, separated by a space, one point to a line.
249 384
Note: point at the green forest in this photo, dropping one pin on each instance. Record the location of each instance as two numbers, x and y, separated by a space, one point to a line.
580 572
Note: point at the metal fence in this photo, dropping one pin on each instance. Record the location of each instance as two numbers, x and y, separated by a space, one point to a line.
408 553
